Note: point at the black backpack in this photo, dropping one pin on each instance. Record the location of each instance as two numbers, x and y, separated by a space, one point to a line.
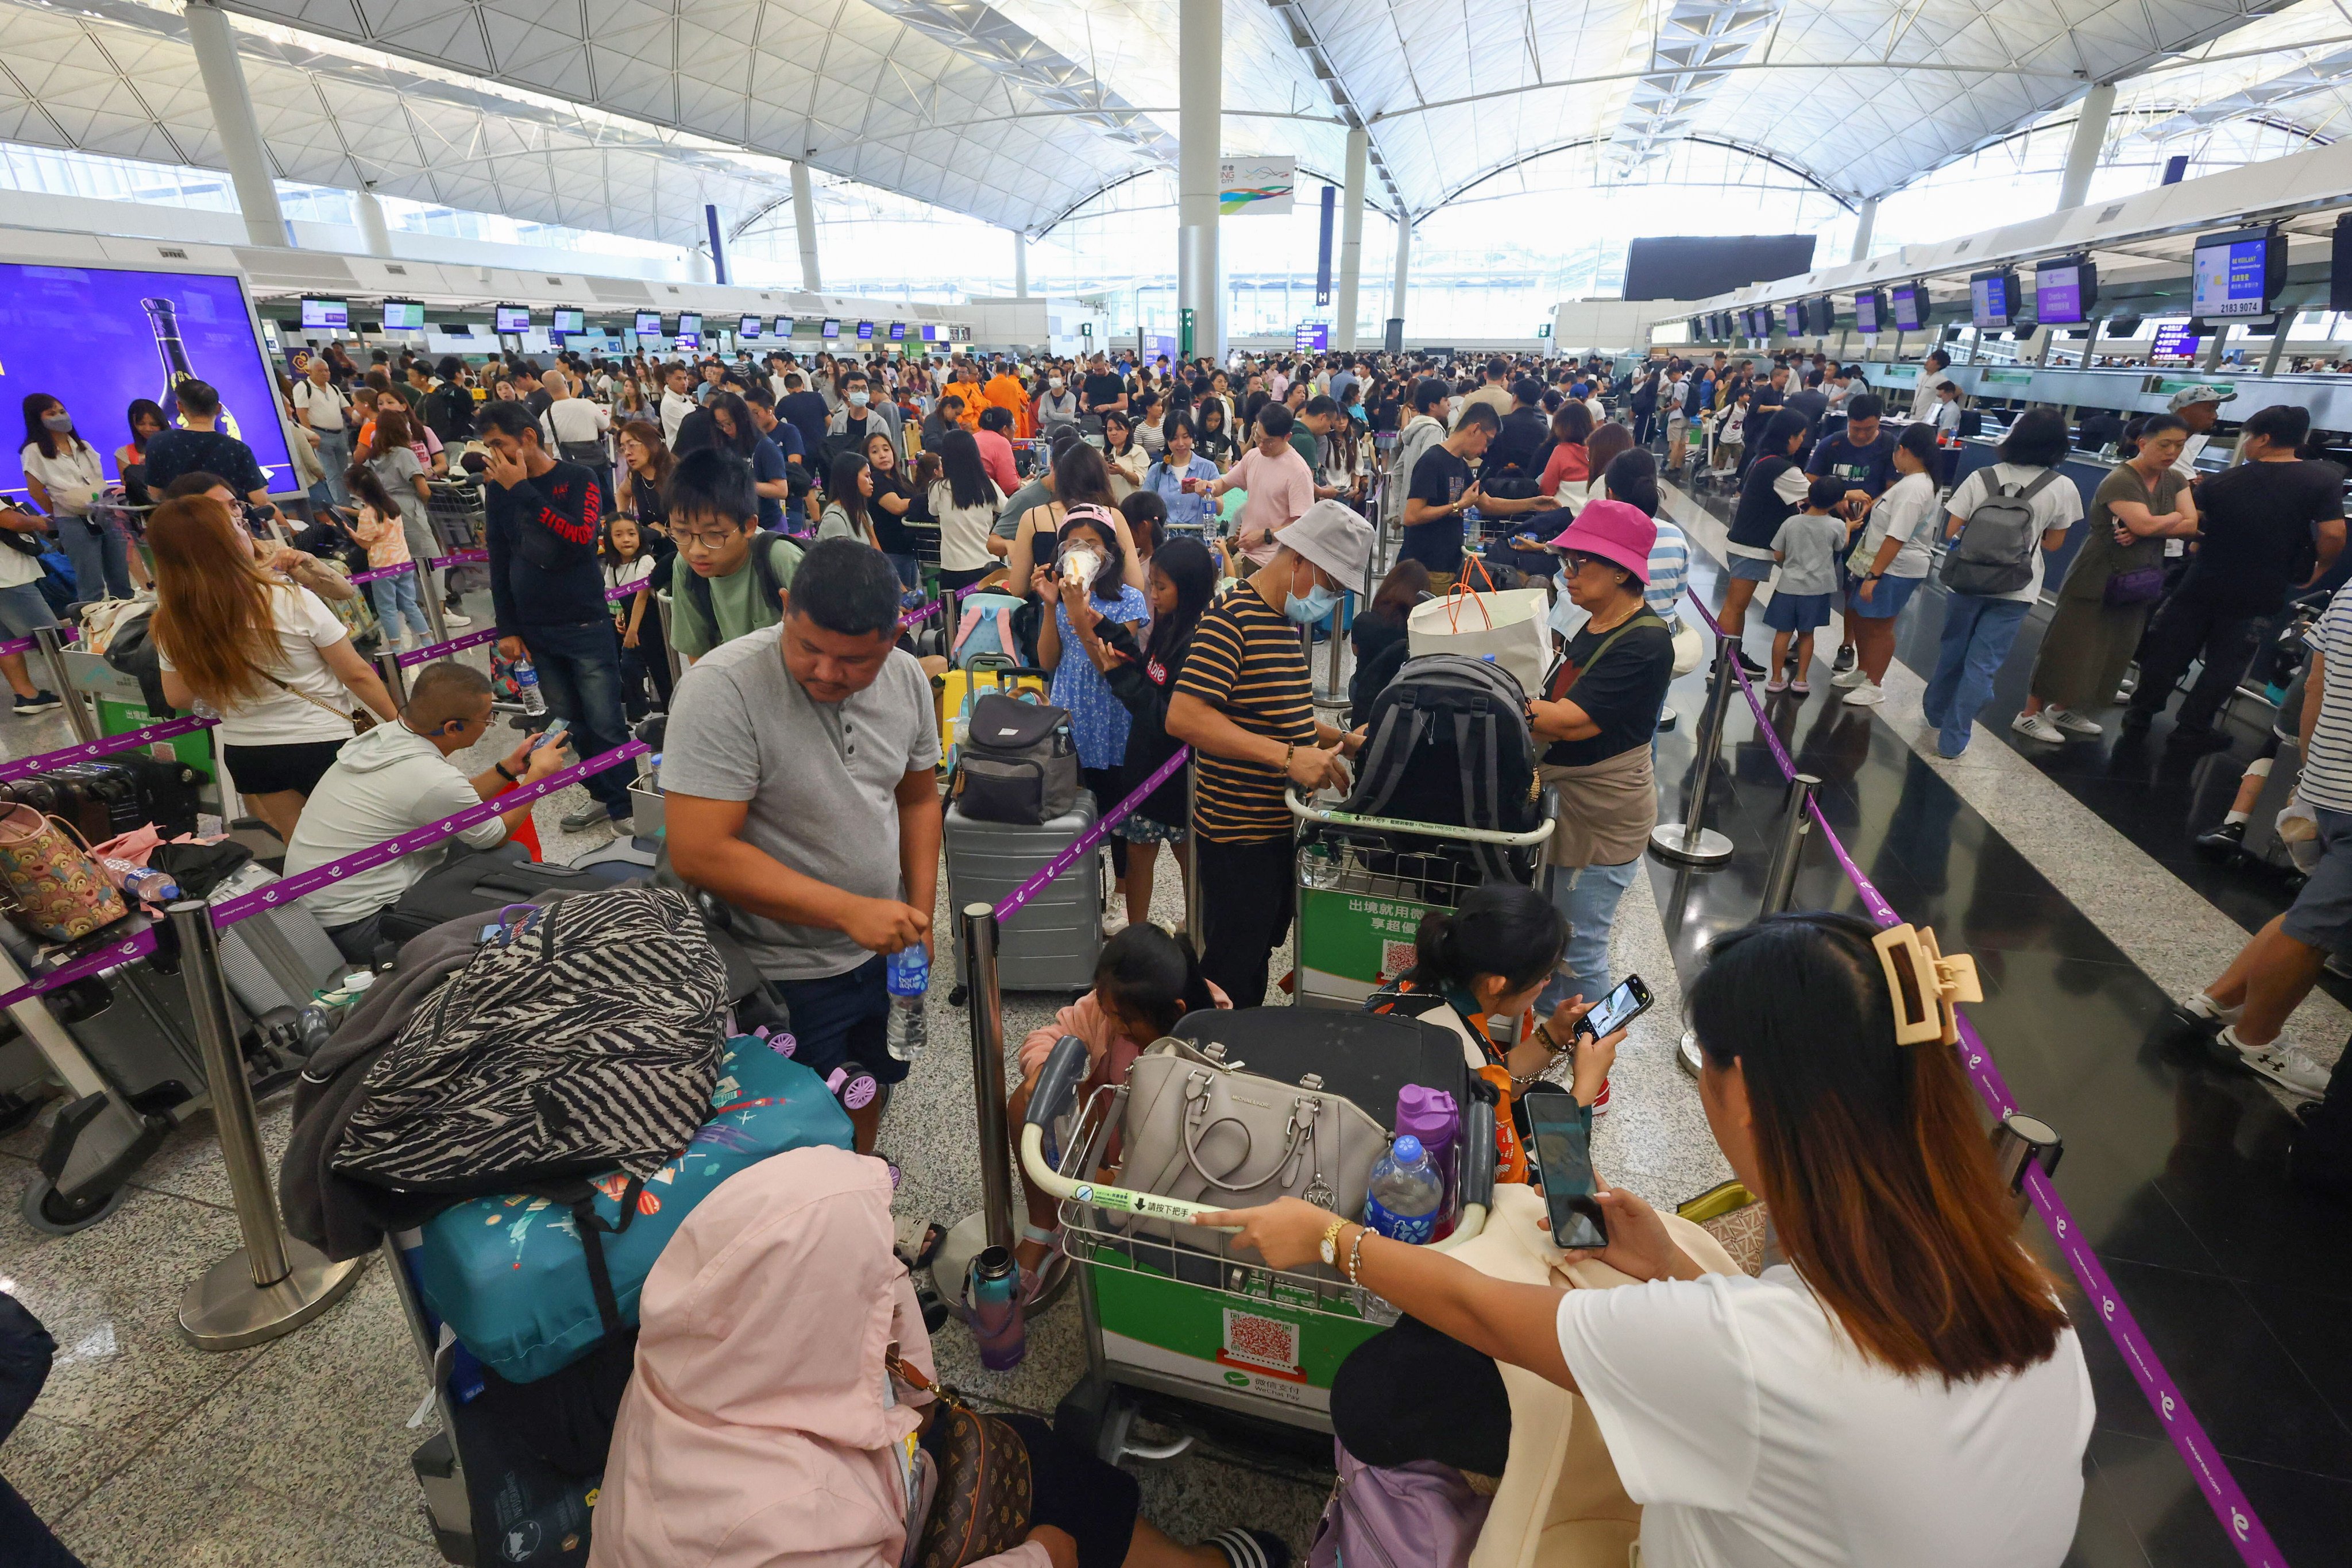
1450 744
696 587
1018 763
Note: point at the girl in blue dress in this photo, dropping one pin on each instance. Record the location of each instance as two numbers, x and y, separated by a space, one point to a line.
1088 558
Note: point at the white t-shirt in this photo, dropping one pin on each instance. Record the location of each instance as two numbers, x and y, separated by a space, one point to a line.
72 478
1752 1433
964 530
305 628
325 404
2060 505
574 419
620 573
1906 512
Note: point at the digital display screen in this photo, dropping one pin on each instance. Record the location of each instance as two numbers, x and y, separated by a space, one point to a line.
649 323
747 328
832 328
571 320
1792 319
334 314
930 333
865 331
404 315
2177 340
512 319
689 324
897 331
686 340
1992 298
1616 1010
103 337
1908 305
783 328
1866 314
2058 295
2227 278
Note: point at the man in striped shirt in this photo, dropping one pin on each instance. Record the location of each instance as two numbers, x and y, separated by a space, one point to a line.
1244 704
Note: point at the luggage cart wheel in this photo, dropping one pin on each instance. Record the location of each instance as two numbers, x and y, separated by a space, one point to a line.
48 1211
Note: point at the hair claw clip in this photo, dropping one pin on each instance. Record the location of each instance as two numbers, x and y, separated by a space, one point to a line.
1925 984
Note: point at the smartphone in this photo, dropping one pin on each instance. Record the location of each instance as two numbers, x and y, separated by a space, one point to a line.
1619 1008
552 735
1561 1131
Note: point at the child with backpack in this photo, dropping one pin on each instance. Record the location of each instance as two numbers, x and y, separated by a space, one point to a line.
625 560
383 530
737 575
1807 547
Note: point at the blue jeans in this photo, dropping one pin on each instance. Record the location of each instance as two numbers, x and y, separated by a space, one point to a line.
1586 896
102 564
579 669
335 457
1977 633
395 602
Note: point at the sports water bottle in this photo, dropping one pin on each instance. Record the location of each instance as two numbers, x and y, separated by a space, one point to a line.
1432 1117
992 1287
907 974
1407 1193
527 686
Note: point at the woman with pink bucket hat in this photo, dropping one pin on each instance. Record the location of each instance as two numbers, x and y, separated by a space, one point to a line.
1599 714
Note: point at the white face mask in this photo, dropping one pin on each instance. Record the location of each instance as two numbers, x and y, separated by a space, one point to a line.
1056 383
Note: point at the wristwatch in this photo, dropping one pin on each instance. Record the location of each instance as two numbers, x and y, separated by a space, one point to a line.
1330 1247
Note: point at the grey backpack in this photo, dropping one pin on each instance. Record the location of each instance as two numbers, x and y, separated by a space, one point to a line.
1018 762
1994 553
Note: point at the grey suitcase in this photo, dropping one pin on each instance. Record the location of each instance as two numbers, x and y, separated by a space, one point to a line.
1052 942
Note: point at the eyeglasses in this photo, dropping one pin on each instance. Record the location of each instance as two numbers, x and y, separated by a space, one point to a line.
1575 560
715 539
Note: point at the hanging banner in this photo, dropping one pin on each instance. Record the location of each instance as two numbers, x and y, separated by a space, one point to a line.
1256 185
1323 251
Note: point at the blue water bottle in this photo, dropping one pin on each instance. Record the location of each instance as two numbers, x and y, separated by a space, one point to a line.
907 974
526 687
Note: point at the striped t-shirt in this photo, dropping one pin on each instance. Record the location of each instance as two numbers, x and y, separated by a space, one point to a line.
2326 778
1245 662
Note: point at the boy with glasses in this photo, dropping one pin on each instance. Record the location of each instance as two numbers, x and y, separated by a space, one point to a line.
739 576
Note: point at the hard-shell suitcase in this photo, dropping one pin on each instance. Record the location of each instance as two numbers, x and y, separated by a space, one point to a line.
955 691
1052 942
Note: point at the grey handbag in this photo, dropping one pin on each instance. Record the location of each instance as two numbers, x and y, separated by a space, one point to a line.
1201 1129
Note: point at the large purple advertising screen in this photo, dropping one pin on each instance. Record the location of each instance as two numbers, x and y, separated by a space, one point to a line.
95 339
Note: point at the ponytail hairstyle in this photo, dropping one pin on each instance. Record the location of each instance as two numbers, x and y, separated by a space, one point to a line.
364 484
1152 977
1498 929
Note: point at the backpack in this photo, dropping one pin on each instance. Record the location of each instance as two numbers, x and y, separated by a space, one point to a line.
1994 553
986 629
696 587
1421 1512
1019 762
1449 744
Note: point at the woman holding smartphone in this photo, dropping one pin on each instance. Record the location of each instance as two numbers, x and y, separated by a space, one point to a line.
1906 1389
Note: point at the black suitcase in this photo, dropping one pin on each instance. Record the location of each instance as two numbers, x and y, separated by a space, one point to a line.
167 790
486 883
61 794
1367 1056
107 794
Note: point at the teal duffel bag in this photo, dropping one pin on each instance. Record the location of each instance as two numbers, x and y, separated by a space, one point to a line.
531 1281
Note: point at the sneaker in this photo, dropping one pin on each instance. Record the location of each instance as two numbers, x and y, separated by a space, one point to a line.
451 618
586 817
2035 726
1250 1548
2074 723
41 701
1747 664
2205 1010
1866 695
1845 659
1600 1100
1848 678
1780 681
1800 688
1666 716
2135 721
2281 1063
2225 843
1114 922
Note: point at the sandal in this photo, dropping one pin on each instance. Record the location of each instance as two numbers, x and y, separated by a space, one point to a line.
1252 1548
1042 1286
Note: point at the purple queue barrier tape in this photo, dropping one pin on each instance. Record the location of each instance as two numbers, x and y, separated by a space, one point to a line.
26 767
945 601
31 645
380 573
1084 843
285 890
627 590
2222 1493
106 957
454 645
458 558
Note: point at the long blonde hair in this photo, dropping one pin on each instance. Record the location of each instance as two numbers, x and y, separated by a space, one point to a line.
212 616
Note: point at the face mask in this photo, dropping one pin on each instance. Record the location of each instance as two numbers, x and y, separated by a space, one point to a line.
1056 383
1313 608
61 423
861 398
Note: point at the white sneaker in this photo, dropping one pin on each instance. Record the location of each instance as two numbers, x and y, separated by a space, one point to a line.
451 618
1866 695
2282 1064
2035 726
1114 922
2199 1005
2074 723
1847 679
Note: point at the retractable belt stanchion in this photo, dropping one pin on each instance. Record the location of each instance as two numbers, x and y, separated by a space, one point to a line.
1789 848
1332 690
2020 1141
1193 921
430 585
61 681
984 1006
273 1283
1691 840
387 664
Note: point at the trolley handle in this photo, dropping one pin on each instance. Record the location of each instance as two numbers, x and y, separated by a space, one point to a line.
1478 1166
1057 1084
1056 1090
1306 813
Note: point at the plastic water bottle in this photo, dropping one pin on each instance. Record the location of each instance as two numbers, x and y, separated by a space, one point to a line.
1434 1121
527 686
907 974
1407 1193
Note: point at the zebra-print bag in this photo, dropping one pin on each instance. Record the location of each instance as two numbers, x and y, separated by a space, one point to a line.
585 1037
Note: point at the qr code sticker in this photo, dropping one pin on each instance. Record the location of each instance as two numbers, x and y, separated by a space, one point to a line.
1396 957
1267 1343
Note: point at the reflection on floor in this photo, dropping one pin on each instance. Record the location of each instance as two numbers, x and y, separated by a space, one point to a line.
2172 1160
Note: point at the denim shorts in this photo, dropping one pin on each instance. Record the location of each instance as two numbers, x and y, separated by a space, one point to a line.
23 610
1885 601
842 1019
1750 568
2321 915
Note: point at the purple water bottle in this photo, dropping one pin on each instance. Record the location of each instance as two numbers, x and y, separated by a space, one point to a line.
1430 1115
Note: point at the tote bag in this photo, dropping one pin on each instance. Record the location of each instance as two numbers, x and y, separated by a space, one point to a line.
56 891
1505 625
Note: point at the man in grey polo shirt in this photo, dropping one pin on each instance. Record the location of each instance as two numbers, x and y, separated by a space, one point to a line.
794 766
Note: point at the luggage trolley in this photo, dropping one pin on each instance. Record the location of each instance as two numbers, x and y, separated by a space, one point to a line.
1191 1334
1359 907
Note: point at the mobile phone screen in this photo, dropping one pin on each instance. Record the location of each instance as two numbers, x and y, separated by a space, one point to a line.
552 735
1563 1135
1617 1009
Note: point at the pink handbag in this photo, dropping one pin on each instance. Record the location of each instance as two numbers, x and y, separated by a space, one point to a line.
54 891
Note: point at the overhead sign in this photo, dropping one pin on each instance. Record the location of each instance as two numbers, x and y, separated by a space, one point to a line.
1256 185
2177 341
1311 337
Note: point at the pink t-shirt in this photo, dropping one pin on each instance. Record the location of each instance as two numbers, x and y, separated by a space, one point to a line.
1280 489
996 458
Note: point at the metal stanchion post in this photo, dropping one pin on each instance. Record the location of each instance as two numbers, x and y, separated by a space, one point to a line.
2019 1141
1691 841
429 584
387 663
669 648
1192 922
984 1003
1332 690
1789 850
61 681
273 1283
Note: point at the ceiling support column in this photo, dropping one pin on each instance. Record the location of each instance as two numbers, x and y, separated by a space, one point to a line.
1403 272
1351 239
805 221
1020 264
1865 220
240 132
2083 153
1200 115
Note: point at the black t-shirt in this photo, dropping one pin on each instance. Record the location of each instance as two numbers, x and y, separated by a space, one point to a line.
889 528
1623 693
2256 520
804 412
172 453
1862 467
1812 402
1102 390
1524 433
1439 477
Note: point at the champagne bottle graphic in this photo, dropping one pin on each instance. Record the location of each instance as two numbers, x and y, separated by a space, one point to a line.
164 320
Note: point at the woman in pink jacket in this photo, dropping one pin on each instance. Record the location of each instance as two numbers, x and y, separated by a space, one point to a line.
762 1429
